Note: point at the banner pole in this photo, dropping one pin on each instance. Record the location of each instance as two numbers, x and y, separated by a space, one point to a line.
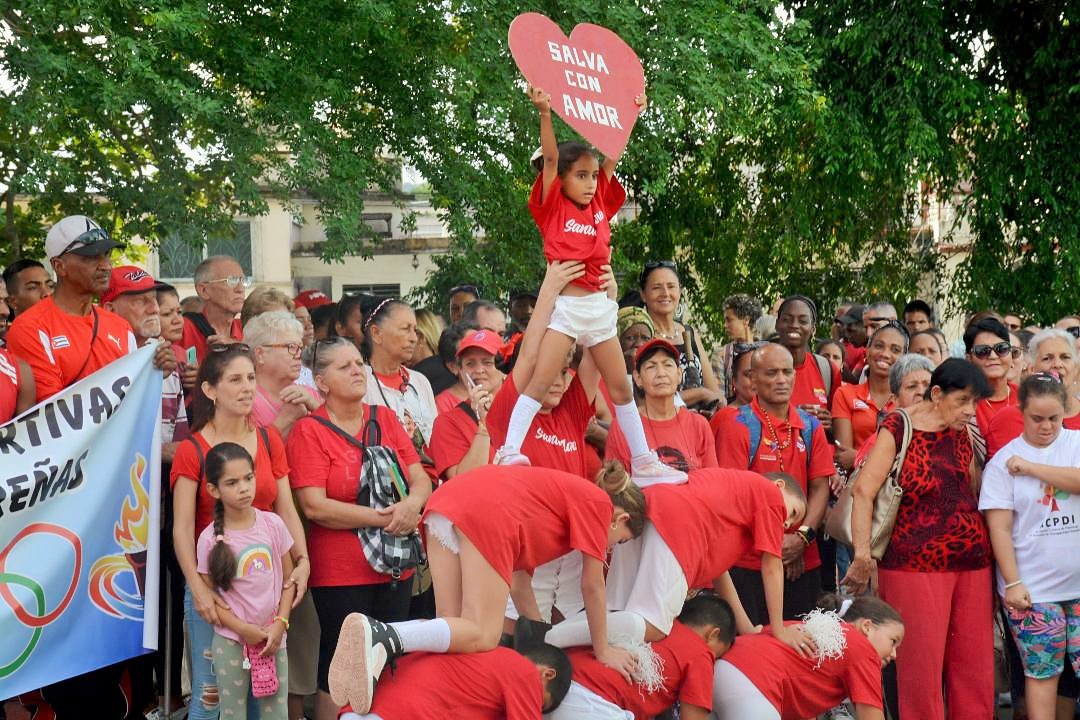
166 706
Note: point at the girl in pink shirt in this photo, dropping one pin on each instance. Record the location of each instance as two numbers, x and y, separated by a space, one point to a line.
244 557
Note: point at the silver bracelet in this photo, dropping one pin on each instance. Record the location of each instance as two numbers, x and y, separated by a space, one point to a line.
1013 584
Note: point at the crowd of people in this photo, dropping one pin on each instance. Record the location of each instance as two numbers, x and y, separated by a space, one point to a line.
585 510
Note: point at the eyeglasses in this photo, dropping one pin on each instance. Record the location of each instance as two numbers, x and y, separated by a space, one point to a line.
87 238
293 349
232 282
1001 349
224 347
1074 331
471 289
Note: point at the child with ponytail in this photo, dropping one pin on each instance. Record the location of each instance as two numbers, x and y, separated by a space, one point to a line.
486 532
244 556
762 678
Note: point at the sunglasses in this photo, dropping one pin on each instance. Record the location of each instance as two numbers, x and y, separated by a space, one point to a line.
471 289
232 282
656 265
89 237
224 347
294 349
740 349
1001 349
1074 331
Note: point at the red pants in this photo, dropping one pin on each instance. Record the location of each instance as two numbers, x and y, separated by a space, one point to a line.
948 642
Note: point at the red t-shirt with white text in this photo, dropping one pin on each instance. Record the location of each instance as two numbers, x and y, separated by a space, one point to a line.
499 684
684 442
716 518
322 458
521 517
688 675
573 233
799 690
555 440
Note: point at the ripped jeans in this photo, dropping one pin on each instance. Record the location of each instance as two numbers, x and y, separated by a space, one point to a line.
204 684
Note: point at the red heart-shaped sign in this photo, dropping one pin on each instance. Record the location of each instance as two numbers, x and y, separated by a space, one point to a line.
592 76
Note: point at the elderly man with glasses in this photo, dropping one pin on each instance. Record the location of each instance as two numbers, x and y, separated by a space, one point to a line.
221 284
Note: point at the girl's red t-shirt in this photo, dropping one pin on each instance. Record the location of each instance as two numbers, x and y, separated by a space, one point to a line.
798 689
521 517
322 458
270 465
714 519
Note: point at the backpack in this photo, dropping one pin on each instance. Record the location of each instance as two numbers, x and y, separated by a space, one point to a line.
747 417
382 483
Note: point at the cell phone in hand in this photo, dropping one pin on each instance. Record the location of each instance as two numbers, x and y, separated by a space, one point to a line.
469 382
192 356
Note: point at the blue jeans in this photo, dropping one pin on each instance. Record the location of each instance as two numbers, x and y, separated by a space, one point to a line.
200 637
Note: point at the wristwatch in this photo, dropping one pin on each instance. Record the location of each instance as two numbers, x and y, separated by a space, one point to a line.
807 533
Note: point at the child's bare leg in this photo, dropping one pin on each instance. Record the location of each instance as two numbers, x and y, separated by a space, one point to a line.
445 577
646 468
483 603
554 348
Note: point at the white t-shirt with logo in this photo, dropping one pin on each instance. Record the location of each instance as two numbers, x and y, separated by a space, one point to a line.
1046 520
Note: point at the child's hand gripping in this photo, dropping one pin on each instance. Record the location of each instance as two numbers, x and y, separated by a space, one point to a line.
274 632
253 634
560 274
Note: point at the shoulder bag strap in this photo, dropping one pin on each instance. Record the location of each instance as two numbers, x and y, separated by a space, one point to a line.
202 458
825 369
90 346
753 426
339 430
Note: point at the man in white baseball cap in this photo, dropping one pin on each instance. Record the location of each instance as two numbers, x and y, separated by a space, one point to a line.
80 235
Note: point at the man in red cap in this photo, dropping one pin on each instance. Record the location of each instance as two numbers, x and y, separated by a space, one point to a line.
459 438
65 337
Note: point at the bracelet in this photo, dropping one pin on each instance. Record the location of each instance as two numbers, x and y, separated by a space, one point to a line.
284 621
1013 584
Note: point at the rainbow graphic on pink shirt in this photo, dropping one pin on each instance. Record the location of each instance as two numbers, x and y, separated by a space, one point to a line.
255 559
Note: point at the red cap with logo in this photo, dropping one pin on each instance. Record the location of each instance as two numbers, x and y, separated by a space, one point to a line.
486 340
312 299
129 280
656 344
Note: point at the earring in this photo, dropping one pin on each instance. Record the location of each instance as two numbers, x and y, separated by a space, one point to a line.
614 525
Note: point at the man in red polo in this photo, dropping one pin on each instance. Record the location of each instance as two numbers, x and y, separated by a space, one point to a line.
221 283
781 432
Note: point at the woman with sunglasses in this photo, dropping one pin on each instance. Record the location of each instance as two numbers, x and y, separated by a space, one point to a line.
276 338
221 412
857 409
661 289
326 478
987 344
1029 494
936 569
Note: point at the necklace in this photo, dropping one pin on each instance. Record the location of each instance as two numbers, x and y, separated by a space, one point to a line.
776 444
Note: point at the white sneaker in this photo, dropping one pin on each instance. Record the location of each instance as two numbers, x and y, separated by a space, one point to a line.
507 456
647 470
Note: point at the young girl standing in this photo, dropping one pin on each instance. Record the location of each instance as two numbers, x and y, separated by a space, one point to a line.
244 556
572 202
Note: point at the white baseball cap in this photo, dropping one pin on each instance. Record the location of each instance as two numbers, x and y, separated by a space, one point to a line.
80 235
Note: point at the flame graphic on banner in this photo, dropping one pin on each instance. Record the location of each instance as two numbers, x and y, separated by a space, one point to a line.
131 534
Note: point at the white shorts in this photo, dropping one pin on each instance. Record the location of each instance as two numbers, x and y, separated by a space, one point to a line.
354 716
589 319
582 703
646 579
734 697
441 528
556 584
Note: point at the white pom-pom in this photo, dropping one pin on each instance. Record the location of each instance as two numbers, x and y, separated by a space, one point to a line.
650 666
824 628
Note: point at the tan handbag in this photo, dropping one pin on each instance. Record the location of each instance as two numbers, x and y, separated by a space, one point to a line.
886 504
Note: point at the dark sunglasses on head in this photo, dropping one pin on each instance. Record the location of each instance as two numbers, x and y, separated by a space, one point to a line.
1074 331
741 348
471 289
89 237
1048 377
656 265
1001 349
222 347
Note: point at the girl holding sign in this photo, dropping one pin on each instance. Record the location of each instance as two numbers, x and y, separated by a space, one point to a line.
572 201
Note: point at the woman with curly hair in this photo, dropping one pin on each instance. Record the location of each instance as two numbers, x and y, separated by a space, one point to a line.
740 313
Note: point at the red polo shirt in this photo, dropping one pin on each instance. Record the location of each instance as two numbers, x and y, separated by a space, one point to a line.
193 337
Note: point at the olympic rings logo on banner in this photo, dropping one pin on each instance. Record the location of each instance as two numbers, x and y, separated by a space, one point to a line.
39 618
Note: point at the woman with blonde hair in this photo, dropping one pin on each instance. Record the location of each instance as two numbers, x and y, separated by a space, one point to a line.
429 327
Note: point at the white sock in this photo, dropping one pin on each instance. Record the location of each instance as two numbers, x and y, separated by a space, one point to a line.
423 635
630 422
622 627
521 418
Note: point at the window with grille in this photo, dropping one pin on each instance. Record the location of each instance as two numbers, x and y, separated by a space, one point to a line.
386 290
178 256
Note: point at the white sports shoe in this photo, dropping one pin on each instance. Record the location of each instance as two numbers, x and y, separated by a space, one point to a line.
647 470
505 456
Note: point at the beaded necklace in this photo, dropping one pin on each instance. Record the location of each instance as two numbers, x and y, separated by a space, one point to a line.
777 446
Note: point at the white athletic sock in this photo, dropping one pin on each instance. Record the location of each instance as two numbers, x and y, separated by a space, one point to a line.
521 418
423 635
630 422
622 627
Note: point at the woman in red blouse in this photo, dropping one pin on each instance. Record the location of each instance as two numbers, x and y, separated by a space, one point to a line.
936 570
326 477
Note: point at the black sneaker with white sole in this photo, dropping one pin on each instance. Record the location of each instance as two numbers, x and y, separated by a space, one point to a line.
364 647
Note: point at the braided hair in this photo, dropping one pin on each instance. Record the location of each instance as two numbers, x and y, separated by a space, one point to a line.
222 560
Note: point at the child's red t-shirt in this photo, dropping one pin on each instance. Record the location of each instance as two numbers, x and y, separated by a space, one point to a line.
714 519
521 517
573 233
687 668
796 687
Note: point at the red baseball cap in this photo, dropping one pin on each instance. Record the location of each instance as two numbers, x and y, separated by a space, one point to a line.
486 340
312 299
654 344
129 280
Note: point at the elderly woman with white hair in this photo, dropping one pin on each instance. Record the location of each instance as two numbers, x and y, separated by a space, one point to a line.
1051 351
276 339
